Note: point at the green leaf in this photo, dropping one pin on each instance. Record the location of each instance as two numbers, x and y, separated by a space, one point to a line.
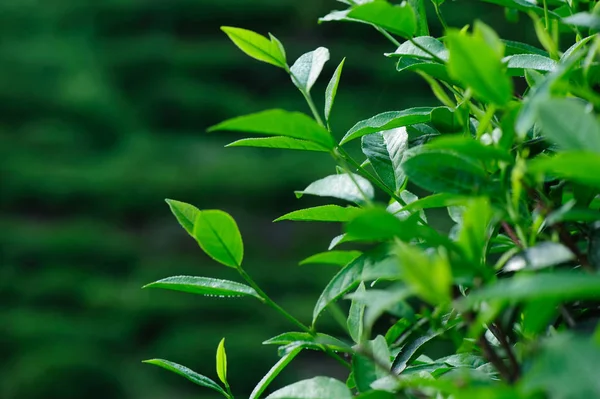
376 224
315 388
373 265
387 121
522 5
185 213
467 146
204 286
441 200
257 46
277 122
567 123
431 44
477 65
573 165
355 189
218 235
429 276
433 69
512 48
421 13
308 67
307 340
189 374
286 143
441 171
399 20
542 255
331 90
517 64
565 368
554 287
410 351
385 150
356 315
222 362
325 213
583 20
377 395
274 372
476 230
337 258
371 363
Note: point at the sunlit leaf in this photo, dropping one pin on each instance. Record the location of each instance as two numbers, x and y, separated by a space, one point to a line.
204 286
315 388
353 188
325 213
185 213
397 19
331 90
307 340
376 224
187 373
274 372
355 320
218 235
338 258
222 362
257 46
543 254
517 64
285 143
308 67
385 150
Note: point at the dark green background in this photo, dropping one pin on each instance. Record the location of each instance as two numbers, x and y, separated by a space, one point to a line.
103 111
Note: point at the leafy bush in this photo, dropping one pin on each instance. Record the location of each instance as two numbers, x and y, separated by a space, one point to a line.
509 295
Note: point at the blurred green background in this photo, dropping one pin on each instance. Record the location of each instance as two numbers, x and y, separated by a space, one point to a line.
103 112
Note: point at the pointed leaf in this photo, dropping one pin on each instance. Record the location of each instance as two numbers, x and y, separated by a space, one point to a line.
218 235
368 363
574 166
441 171
555 287
542 255
441 200
257 46
277 122
421 13
469 147
274 372
584 20
477 65
567 123
325 213
337 258
185 213
385 150
356 317
204 286
377 264
315 388
307 340
308 67
409 352
378 302
399 20
517 64
522 5
431 44
286 143
341 186
376 224
187 373
388 120
331 90
222 362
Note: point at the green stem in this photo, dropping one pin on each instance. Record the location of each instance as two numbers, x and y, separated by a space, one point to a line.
272 303
228 389
388 36
313 108
546 16
441 18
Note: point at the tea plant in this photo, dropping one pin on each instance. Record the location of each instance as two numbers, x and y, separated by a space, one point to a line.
513 289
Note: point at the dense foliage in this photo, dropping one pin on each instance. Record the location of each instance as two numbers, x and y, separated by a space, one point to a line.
504 304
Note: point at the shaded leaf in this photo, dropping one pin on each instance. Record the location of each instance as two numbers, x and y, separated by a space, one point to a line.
466 146
542 255
315 388
218 235
325 213
554 287
522 5
567 123
573 165
204 286
331 90
308 67
257 46
277 122
338 258
387 121
286 143
187 373
373 265
380 301
342 187
410 351
274 372
376 224
584 20
371 363
356 315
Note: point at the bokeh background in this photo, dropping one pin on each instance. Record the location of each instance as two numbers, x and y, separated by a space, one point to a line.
103 112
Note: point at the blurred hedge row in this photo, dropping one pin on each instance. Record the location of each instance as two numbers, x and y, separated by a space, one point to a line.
103 109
